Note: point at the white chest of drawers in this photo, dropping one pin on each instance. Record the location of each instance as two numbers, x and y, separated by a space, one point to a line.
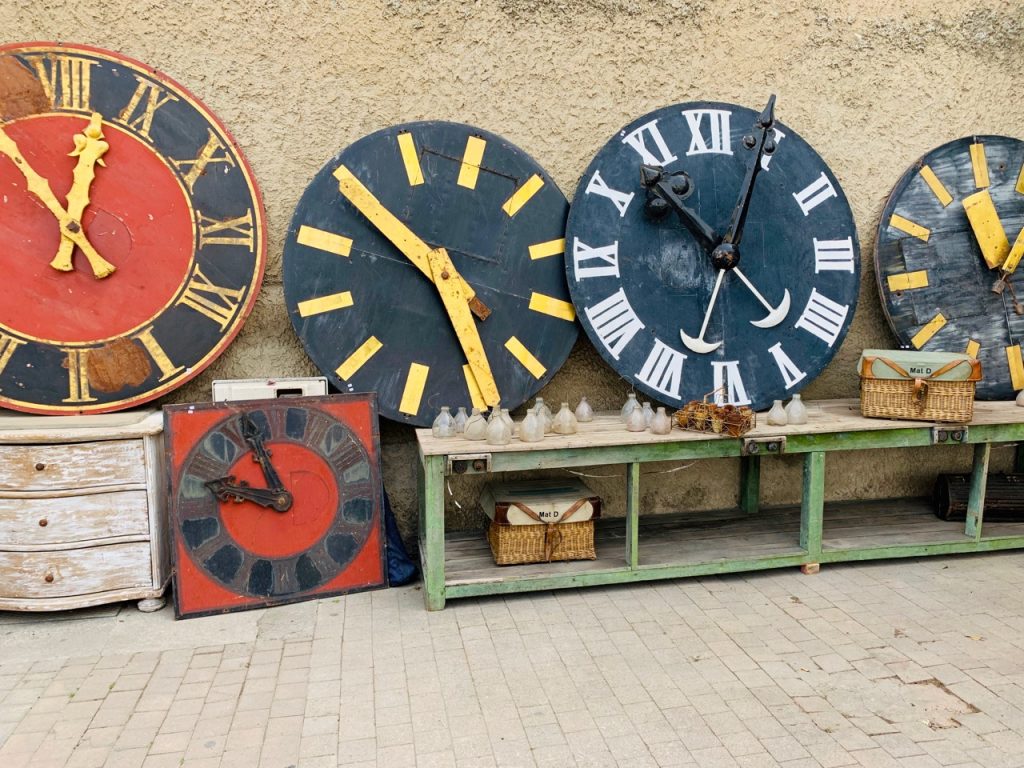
82 511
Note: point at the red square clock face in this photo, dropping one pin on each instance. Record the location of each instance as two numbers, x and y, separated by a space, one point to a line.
273 501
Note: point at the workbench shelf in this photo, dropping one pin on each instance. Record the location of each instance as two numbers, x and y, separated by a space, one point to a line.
644 546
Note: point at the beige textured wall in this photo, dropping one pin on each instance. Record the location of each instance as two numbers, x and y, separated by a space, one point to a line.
871 85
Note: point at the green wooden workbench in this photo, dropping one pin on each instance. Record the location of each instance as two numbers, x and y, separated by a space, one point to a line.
640 547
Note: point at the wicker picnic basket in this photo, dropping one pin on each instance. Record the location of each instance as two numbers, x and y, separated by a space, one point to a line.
533 522
920 386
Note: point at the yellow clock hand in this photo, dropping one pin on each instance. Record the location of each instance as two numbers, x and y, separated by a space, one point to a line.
446 280
40 187
89 149
403 238
988 230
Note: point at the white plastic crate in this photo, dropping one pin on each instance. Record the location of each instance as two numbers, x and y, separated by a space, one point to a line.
266 389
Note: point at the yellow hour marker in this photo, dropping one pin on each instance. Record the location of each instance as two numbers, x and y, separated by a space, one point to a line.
323 240
906 281
471 160
1013 358
525 356
924 335
937 187
407 147
415 381
1020 181
973 348
522 195
358 359
549 305
911 228
325 304
979 165
548 248
475 396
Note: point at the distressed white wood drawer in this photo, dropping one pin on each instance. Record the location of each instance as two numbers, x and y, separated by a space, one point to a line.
76 518
72 465
75 571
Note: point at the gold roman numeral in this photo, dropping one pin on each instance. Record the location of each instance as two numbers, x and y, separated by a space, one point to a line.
167 368
140 109
66 80
215 302
77 363
191 170
8 345
216 231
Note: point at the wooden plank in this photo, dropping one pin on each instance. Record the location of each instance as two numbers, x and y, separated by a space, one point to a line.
73 465
976 497
74 571
812 506
432 547
67 522
632 512
26 428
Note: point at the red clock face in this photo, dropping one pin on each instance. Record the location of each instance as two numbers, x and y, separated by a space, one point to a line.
131 231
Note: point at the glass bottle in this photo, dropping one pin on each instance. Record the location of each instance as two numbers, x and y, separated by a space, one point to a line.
531 429
584 412
777 415
565 421
444 424
476 426
498 430
648 413
507 418
661 422
545 413
460 420
1020 398
628 407
796 411
635 422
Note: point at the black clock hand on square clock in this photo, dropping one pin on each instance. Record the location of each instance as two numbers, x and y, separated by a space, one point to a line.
275 496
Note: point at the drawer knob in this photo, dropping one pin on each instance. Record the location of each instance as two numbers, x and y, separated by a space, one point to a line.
40 466
48 578
43 522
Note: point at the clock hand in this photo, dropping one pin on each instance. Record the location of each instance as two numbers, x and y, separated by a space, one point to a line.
40 187
403 238
225 489
698 344
775 314
89 149
668 190
988 230
446 281
260 454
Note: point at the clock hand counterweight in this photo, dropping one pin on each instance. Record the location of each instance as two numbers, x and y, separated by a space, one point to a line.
40 187
403 238
668 191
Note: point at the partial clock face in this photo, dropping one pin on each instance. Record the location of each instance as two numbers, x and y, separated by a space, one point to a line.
661 310
402 244
947 253
235 553
131 227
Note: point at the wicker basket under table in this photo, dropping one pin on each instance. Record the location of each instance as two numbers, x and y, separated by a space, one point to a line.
517 544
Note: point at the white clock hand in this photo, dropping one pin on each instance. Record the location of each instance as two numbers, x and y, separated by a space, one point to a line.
698 344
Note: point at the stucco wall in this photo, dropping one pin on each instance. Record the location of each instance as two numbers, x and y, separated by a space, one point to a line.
871 85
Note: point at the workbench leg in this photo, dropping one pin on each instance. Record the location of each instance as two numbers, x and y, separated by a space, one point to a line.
632 514
750 483
976 499
1018 458
430 477
812 508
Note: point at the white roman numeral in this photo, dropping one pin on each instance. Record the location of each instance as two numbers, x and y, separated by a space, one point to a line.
823 317
814 194
615 322
833 255
637 142
729 384
602 261
778 136
791 375
718 140
597 186
663 369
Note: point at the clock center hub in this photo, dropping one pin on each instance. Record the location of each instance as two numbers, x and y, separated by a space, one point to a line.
726 256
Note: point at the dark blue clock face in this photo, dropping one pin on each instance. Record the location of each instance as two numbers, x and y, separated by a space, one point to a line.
642 284
372 319
934 276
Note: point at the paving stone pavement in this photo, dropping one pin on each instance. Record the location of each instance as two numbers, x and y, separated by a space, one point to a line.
914 663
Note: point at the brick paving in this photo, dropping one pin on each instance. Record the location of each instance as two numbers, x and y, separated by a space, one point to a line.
914 663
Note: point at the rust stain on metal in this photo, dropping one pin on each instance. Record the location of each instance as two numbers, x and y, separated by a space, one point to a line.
121 363
21 94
